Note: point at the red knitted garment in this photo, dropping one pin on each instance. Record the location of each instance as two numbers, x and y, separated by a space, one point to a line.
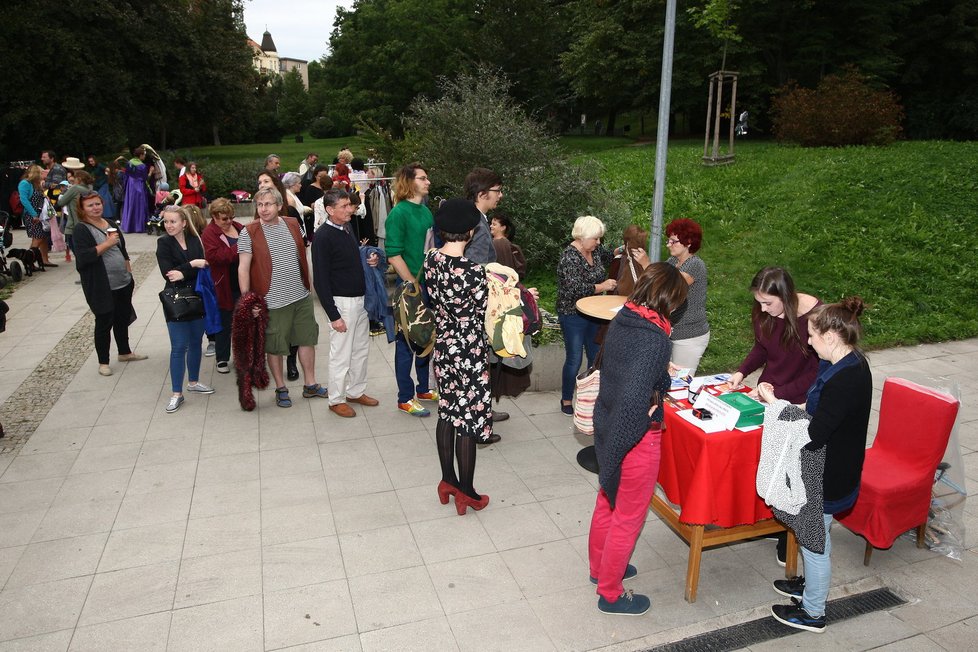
248 347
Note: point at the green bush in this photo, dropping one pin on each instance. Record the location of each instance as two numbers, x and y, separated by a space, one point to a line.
843 110
475 123
224 176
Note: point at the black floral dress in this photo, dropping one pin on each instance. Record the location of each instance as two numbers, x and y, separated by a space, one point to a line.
457 288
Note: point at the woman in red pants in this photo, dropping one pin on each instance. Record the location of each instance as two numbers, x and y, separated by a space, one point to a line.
628 430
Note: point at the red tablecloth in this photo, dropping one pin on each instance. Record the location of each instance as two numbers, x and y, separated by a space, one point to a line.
711 476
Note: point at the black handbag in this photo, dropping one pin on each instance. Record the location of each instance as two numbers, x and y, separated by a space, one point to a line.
181 304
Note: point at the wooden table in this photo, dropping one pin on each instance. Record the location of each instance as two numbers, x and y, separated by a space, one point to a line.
601 306
711 478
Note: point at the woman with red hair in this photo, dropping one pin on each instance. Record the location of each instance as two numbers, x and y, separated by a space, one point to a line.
691 330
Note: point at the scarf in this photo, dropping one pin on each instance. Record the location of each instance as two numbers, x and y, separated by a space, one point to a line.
652 316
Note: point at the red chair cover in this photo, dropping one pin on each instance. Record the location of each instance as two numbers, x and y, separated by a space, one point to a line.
915 423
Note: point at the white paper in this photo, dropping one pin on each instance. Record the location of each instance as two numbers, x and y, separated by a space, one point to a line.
725 414
709 426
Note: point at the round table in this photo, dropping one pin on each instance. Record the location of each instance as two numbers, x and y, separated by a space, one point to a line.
599 306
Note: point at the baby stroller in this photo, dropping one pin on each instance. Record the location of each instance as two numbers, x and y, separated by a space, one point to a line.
154 225
14 269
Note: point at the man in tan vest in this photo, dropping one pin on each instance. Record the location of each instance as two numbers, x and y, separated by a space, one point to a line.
272 262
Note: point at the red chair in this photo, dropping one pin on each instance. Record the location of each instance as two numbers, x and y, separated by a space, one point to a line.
898 475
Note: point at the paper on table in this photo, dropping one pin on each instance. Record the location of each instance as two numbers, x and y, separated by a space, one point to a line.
724 414
709 426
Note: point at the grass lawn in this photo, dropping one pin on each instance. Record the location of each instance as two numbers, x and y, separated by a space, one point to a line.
896 225
290 151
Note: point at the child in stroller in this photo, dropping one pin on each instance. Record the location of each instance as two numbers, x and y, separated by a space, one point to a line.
164 197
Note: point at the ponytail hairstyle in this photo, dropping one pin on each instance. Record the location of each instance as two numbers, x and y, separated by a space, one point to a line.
777 282
841 318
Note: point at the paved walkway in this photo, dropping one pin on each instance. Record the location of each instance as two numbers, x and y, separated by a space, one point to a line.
124 528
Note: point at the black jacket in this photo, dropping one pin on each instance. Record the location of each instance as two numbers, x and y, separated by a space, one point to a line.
170 256
91 268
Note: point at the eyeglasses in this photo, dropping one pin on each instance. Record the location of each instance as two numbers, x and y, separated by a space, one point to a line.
89 193
499 190
420 178
672 241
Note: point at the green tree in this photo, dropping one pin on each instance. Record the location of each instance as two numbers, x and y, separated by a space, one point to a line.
294 108
475 123
384 53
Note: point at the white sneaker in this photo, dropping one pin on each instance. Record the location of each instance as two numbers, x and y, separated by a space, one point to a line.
200 388
211 350
223 368
174 404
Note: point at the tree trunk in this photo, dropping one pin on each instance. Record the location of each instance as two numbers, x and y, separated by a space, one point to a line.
217 134
612 115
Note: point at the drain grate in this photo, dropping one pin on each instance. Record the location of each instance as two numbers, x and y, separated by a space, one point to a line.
757 631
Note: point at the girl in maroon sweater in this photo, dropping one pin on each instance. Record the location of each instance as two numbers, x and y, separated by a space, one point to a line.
780 320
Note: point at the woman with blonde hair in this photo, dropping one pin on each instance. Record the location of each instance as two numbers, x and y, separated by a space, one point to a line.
32 199
580 273
180 254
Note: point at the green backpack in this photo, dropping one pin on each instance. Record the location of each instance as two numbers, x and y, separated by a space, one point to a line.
414 318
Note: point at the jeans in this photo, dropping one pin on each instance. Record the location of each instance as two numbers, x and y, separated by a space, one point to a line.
116 322
614 530
185 351
579 332
403 356
818 574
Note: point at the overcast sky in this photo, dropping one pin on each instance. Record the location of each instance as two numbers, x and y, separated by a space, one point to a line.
300 28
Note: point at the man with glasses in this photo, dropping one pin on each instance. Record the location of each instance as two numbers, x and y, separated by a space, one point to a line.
272 262
485 188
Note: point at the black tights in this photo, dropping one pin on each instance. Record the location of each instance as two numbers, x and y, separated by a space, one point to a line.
465 455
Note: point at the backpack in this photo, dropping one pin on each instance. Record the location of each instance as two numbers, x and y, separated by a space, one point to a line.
414 318
504 311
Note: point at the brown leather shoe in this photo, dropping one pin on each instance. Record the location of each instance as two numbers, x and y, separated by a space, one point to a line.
364 400
342 410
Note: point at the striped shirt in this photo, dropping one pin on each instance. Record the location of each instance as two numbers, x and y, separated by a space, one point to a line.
286 286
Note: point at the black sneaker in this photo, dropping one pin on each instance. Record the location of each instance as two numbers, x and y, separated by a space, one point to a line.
792 588
794 615
627 604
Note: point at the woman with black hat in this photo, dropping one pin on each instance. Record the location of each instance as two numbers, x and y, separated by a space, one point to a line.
457 287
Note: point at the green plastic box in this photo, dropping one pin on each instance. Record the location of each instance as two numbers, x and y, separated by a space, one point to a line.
751 412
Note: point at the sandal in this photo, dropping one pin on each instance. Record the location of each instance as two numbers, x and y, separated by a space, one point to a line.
282 397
